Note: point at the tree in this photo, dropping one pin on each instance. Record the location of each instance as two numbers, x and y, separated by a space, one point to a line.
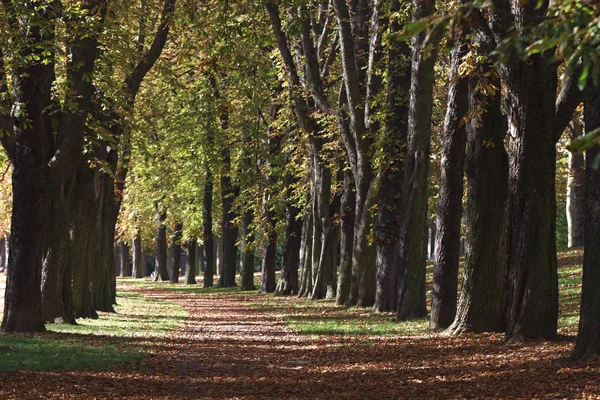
588 335
413 234
449 211
42 157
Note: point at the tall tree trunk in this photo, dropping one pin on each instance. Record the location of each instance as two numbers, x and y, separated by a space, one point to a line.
348 205
532 292
413 235
480 308
125 263
138 257
175 253
576 192
449 210
190 268
208 237
269 261
288 280
387 225
322 236
247 255
588 335
305 257
161 273
84 199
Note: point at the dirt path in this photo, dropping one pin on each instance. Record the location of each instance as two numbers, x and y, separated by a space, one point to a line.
229 350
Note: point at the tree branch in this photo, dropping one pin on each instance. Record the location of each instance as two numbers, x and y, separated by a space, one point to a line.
134 80
568 99
290 68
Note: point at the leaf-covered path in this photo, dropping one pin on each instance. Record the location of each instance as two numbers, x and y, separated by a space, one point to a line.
228 349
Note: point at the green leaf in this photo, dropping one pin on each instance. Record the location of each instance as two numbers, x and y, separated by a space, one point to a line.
413 29
583 77
542 45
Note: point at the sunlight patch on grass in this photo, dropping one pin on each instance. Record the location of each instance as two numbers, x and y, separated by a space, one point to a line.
136 316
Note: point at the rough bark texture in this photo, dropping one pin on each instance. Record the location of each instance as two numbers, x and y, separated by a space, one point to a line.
480 308
247 254
576 192
413 234
161 273
208 237
175 253
190 263
532 292
138 257
229 192
269 262
449 211
305 258
387 226
588 336
125 263
288 280
347 207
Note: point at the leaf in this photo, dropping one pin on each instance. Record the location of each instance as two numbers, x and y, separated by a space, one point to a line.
413 29
582 81
542 45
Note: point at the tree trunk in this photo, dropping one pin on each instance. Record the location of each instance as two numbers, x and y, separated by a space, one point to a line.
387 225
138 257
126 269
230 229
449 211
532 292
576 193
480 308
348 205
413 235
588 335
288 280
208 238
305 257
84 238
190 268
175 253
161 273
247 255
323 232
269 261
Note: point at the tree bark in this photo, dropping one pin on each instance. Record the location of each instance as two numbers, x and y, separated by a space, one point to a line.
387 225
161 273
413 235
247 255
190 268
208 237
532 292
288 280
175 253
125 263
588 335
449 211
138 257
576 192
348 205
305 257
480 308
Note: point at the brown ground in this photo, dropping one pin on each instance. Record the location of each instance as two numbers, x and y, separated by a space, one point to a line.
228 350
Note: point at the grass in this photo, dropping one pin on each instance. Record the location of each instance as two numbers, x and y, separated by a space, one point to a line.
93 344
136 316
47 353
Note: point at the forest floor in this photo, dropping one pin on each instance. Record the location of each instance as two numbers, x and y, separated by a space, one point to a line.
244 346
